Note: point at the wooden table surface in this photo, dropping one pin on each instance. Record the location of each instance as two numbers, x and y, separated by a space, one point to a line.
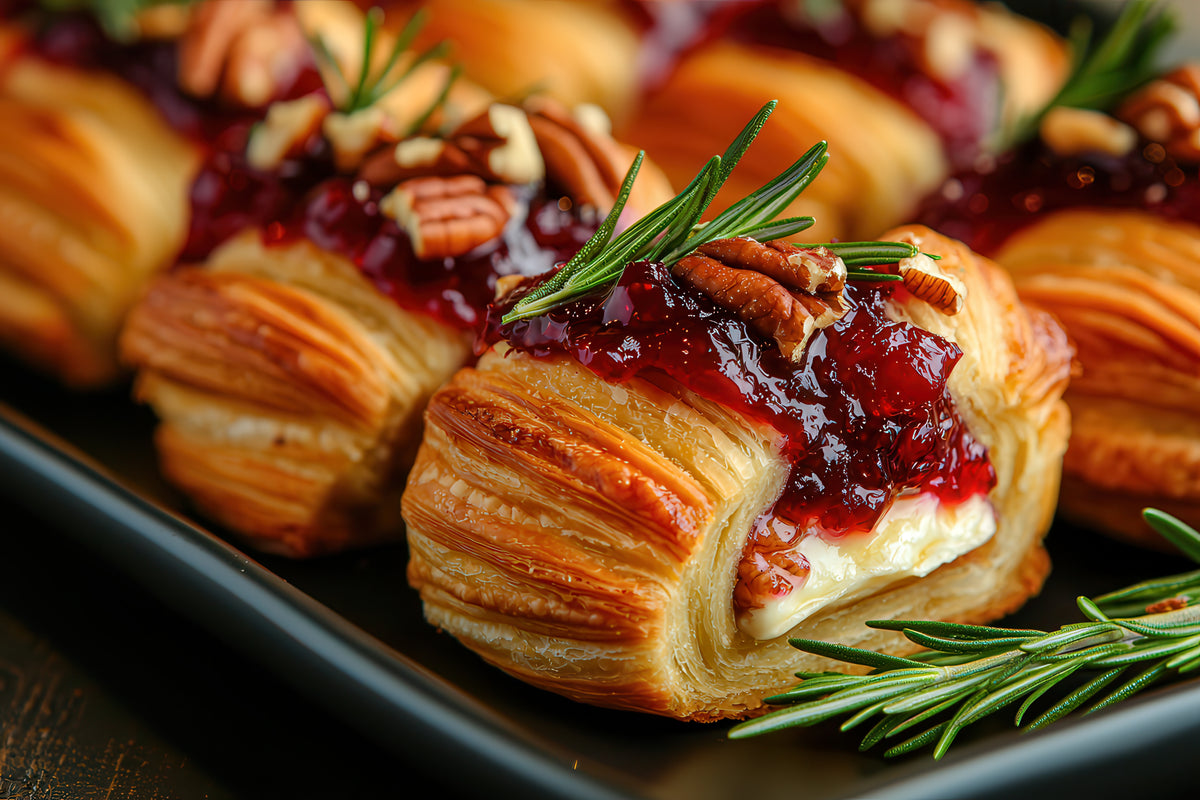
107 694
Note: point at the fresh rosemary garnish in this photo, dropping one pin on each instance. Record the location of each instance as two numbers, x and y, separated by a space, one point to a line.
671 231
371 85
1122 61
1133 638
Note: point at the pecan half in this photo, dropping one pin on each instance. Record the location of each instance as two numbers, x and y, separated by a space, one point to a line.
1168 111
581 157
247 50
497 145
768 287
926 281
447 217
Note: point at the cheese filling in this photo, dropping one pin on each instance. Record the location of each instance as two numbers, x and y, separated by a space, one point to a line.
914 537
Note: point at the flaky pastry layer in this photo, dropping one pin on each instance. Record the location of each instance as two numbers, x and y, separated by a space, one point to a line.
584 536
93 201
289 390
1126 285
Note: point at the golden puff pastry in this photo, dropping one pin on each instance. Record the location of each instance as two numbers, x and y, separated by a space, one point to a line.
576 51
93 200
289 392
1126 284
586 536
290 366
888 151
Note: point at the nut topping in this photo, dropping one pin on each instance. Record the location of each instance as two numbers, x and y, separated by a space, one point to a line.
1168 111
286 128
767 290
926 281
447 217
1071 131
247 50
498 145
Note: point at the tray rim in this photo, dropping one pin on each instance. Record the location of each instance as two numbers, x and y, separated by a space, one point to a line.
408 709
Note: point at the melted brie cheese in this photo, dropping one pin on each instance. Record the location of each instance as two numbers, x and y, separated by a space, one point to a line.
916 536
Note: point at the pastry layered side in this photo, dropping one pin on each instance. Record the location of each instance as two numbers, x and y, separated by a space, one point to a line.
1096 220
980 69
598 538
289 392
336 267
93 201
1126 284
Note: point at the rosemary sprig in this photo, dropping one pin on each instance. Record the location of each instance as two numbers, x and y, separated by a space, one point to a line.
1122 61
369 86
671 231
1135 636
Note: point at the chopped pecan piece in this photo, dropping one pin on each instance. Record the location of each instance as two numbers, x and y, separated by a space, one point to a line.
925 280
247 50
497 145
447 217
767 289
1168 111
767 574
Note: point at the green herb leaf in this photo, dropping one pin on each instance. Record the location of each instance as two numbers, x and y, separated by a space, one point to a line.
963 676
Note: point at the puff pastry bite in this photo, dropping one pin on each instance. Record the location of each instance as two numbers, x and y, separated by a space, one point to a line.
337 269
904 91
103 137
633 499
1098 222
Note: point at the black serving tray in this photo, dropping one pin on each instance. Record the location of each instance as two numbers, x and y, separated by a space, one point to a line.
348 633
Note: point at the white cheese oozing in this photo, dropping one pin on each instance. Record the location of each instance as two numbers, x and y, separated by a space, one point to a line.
916 536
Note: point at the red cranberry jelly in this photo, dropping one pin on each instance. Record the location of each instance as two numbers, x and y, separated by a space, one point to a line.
304 200
865 414
963 109
983 207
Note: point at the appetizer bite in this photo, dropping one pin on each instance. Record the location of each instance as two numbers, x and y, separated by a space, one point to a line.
1098 220
903 91
689 443
335 275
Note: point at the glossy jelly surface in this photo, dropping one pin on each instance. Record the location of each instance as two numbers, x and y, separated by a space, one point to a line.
864 415
985 205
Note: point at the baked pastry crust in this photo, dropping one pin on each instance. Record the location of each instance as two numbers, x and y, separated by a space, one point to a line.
93 201
584 536
1126 284
289 390
885 158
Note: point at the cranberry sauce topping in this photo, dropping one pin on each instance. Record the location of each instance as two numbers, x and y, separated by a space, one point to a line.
984 206
964 109
152 66
303 199
865 415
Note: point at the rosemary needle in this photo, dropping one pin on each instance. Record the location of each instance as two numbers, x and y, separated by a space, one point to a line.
1131 639
671 231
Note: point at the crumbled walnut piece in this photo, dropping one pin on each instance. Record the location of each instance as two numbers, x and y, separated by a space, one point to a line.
1168 111
286 128
925 280
1071 131
767 289
447 217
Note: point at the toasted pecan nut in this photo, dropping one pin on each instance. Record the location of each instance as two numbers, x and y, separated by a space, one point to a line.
768 307
808 269
447 217
1168 111
926 281
286 128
